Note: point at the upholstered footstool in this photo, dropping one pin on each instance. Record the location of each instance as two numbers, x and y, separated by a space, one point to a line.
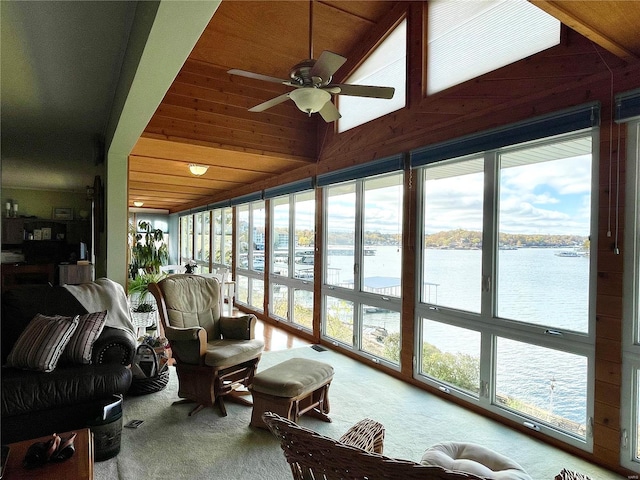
475 459
290 389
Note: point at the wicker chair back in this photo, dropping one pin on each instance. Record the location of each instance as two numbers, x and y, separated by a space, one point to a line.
314 456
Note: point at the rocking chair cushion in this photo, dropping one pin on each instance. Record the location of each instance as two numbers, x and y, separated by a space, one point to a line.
473 458
238 328
292 377
222 353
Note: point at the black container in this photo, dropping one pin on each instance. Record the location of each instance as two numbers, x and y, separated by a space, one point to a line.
107 429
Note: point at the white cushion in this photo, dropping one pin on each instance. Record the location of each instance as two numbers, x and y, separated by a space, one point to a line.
475 459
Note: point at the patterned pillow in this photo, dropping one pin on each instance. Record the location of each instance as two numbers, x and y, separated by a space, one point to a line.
40 344
80 346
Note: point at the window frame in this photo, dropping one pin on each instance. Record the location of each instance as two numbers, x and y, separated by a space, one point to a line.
403 20
492 327
629 413
290 281
224 212
249 272
356 296
487 54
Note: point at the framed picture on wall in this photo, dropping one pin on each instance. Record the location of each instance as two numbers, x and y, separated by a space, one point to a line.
62 213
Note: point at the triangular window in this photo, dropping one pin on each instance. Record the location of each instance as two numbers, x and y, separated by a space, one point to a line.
468 39
386 67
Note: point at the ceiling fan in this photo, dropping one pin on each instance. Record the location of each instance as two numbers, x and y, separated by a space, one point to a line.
311 80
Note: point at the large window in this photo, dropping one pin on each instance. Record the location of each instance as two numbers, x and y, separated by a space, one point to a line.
544 225
630 405
468 39
452 260
292 271
505 317
202 239
222 237
250 245
186 239
362 271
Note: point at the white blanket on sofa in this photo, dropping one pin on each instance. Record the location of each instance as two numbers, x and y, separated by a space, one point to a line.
105 294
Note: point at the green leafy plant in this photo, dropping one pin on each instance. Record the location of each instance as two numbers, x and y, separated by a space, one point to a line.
139 287
148 249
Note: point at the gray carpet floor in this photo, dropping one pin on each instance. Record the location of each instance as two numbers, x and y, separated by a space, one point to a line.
172 445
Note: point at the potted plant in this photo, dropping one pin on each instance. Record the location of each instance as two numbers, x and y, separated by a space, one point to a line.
148 249
143 305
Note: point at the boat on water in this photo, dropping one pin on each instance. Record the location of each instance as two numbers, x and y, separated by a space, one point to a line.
567 254
349 251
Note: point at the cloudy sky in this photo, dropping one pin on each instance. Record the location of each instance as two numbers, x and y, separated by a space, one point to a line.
547 197
542 198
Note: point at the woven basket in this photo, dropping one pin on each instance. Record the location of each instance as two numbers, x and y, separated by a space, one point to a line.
143 319
144 386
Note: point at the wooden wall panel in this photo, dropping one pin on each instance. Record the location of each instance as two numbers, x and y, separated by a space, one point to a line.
609 327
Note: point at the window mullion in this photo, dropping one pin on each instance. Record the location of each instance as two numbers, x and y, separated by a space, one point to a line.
359 237
291 267
489 273
489 234
358 257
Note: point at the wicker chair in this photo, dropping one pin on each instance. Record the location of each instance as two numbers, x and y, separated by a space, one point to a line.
356 456
215 355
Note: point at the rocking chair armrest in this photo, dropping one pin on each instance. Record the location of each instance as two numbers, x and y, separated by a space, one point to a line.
238 328
367 434
187 344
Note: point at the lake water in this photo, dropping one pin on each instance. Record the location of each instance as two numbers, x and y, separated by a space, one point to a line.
534 285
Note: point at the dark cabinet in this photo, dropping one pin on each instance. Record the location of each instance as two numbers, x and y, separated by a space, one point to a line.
20 275
12 230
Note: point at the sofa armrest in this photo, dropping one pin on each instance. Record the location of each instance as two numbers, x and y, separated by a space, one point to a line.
238 328
188 345
114 346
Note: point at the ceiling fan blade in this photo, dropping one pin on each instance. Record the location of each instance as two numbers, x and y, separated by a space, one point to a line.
327 65
329 112
270 103
362 90
257 76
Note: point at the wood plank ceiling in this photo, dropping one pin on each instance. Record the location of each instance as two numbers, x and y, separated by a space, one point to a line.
203 118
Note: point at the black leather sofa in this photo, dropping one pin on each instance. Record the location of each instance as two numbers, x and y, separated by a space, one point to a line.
36 404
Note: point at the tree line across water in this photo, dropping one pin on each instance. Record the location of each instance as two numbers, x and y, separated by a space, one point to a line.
465 239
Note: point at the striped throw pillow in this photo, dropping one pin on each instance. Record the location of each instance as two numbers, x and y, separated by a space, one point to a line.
40 344
80 346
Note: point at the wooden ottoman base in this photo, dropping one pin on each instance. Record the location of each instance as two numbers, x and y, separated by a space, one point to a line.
311 397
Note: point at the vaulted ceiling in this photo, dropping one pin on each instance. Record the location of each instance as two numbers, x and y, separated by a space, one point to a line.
203 117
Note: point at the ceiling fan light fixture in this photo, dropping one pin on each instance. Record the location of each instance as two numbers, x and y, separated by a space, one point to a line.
310 100
198 170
